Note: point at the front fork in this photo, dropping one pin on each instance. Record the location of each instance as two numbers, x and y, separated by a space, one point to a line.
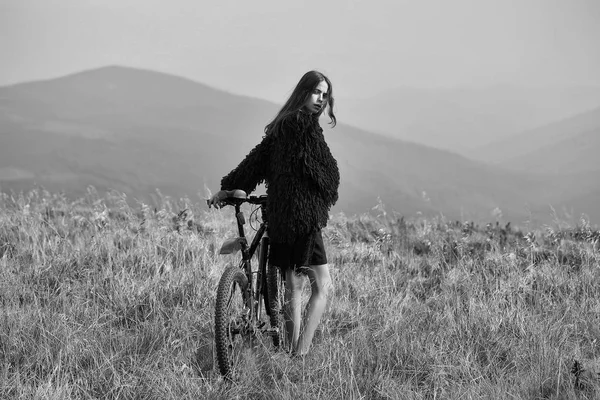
261 284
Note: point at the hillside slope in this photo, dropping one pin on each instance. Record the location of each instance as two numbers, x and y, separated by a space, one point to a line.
569 143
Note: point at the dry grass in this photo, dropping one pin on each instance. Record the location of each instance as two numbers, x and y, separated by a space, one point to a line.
102 300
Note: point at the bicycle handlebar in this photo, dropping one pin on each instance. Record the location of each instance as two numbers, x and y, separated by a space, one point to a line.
237 196
259 200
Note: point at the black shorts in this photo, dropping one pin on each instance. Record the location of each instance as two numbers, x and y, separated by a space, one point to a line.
307 250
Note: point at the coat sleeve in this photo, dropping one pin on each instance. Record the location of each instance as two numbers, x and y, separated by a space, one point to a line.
251 171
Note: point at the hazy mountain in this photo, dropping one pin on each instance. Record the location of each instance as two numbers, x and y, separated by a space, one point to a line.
562 154
464 119
568 146
125 128
134 131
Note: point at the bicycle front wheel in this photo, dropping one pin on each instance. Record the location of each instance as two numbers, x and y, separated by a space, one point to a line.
232 319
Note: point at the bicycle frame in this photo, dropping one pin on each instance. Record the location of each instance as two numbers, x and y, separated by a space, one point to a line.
254 292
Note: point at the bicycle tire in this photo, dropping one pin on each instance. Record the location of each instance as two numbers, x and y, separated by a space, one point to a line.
231 318
275 301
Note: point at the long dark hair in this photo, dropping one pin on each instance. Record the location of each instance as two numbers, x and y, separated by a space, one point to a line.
300 95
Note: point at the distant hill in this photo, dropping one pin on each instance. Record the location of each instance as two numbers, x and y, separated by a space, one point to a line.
579 153
123 128
135 131
564 155
464 119
568 146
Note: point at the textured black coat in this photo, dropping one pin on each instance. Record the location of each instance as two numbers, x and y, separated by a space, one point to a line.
301 176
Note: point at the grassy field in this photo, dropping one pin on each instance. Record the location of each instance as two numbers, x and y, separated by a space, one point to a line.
99 299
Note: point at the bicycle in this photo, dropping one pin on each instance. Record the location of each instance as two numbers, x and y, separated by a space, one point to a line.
242 291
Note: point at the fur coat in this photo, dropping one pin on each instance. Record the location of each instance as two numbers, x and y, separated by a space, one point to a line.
300 173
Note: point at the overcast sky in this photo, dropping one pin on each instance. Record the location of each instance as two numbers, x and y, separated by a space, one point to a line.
262 47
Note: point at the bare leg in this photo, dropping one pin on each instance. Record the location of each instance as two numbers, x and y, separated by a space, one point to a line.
320 282
292 310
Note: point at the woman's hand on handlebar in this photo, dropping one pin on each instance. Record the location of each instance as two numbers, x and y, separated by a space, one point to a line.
217 200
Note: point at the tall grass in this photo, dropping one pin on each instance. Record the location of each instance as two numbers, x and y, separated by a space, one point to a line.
101 299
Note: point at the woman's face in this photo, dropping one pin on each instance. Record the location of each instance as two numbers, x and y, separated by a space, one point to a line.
318 98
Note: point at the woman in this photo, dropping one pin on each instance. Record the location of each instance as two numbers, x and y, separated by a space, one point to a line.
302 180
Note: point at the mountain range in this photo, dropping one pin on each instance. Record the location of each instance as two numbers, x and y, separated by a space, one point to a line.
136 131
464 120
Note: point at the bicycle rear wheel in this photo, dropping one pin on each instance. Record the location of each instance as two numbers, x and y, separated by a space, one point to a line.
275 301
232 319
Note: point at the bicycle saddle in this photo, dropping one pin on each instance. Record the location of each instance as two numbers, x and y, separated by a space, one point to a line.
236 194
